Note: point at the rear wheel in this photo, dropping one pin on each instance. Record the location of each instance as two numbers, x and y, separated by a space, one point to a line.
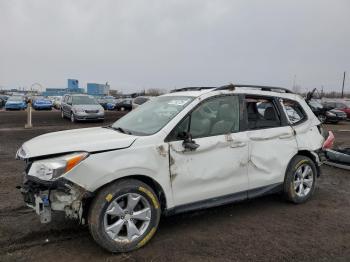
124 216
300 180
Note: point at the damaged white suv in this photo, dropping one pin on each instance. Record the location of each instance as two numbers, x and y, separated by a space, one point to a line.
193 148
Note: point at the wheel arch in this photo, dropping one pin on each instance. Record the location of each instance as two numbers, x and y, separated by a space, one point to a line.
308 154
156 187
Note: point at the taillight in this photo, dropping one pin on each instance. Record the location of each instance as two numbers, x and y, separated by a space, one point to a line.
329 141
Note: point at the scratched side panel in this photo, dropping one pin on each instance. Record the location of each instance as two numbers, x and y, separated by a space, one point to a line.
144 158
213 169
270 152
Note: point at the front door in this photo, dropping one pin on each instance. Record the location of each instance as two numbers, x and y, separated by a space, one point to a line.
218 166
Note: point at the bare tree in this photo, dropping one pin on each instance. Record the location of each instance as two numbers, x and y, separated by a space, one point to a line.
154 92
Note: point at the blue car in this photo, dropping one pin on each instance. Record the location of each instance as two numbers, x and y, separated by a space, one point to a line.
16 103
42 103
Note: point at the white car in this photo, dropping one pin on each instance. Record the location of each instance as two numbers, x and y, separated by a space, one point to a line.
191 149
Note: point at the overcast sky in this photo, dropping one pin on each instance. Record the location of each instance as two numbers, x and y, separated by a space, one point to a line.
174 43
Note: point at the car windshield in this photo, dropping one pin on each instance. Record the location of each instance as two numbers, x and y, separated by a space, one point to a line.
84 100
315 104
15 98
150 117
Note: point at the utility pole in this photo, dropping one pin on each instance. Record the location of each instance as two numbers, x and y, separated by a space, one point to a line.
342 89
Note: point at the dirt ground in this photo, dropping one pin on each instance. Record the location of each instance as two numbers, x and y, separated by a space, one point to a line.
264 229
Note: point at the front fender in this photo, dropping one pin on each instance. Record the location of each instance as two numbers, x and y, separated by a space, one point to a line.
103 168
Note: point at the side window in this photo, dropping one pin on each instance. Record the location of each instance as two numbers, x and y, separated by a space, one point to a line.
214 117
262 113
294 111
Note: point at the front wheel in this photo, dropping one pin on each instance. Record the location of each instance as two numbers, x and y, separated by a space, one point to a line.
72 117
124 216
300 180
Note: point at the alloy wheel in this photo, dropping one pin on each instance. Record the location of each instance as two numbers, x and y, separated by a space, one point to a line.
303 180
127 217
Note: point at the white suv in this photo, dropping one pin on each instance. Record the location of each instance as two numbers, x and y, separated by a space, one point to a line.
191 149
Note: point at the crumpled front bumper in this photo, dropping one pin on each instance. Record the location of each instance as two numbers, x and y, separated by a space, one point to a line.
60 195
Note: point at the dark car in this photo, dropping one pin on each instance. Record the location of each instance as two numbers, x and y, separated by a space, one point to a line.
335 115
107 102
342 106
2 103
124 105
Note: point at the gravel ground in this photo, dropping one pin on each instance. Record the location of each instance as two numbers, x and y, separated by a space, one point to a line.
264 229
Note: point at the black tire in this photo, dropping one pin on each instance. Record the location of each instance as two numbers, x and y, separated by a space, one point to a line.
289 190
72 117
102 201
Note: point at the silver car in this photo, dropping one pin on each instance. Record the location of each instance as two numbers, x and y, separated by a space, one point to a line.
81 107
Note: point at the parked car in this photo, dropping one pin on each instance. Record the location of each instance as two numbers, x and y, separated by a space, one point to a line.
81 107
191 149
124 105
140 100
108 102
2 103
342 106
15 103
41 103
57 102
4 97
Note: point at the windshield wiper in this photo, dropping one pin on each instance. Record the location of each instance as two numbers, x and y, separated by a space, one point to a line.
121 130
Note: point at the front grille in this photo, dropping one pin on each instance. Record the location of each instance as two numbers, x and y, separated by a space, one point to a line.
91 111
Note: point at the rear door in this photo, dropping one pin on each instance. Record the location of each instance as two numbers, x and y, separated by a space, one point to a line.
272 143
217 168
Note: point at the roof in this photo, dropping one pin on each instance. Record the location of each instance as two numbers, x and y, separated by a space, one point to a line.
237 88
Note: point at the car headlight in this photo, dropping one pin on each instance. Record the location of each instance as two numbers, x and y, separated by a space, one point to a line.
53 168
330 114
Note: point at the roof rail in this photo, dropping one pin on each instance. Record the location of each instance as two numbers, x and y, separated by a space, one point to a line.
198 88
262 88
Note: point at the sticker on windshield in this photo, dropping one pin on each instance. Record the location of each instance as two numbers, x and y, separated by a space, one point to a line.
178 102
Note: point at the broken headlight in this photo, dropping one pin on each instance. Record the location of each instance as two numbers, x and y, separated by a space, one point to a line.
51 169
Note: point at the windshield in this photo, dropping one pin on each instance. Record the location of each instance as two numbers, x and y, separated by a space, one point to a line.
150 117
315 104
15 98
84 100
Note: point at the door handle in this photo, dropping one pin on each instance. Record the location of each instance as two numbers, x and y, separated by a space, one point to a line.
284 136
238 144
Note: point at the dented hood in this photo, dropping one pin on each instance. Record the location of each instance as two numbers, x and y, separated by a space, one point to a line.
84 139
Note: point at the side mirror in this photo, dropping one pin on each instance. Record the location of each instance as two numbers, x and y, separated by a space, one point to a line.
188 143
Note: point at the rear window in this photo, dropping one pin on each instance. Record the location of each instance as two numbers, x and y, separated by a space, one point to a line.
294 111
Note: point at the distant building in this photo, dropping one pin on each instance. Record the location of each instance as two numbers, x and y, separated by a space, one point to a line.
54 92
73 87
97 89
73 84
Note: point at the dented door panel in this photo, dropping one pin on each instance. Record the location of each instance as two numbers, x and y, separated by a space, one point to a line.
217 167
270 151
